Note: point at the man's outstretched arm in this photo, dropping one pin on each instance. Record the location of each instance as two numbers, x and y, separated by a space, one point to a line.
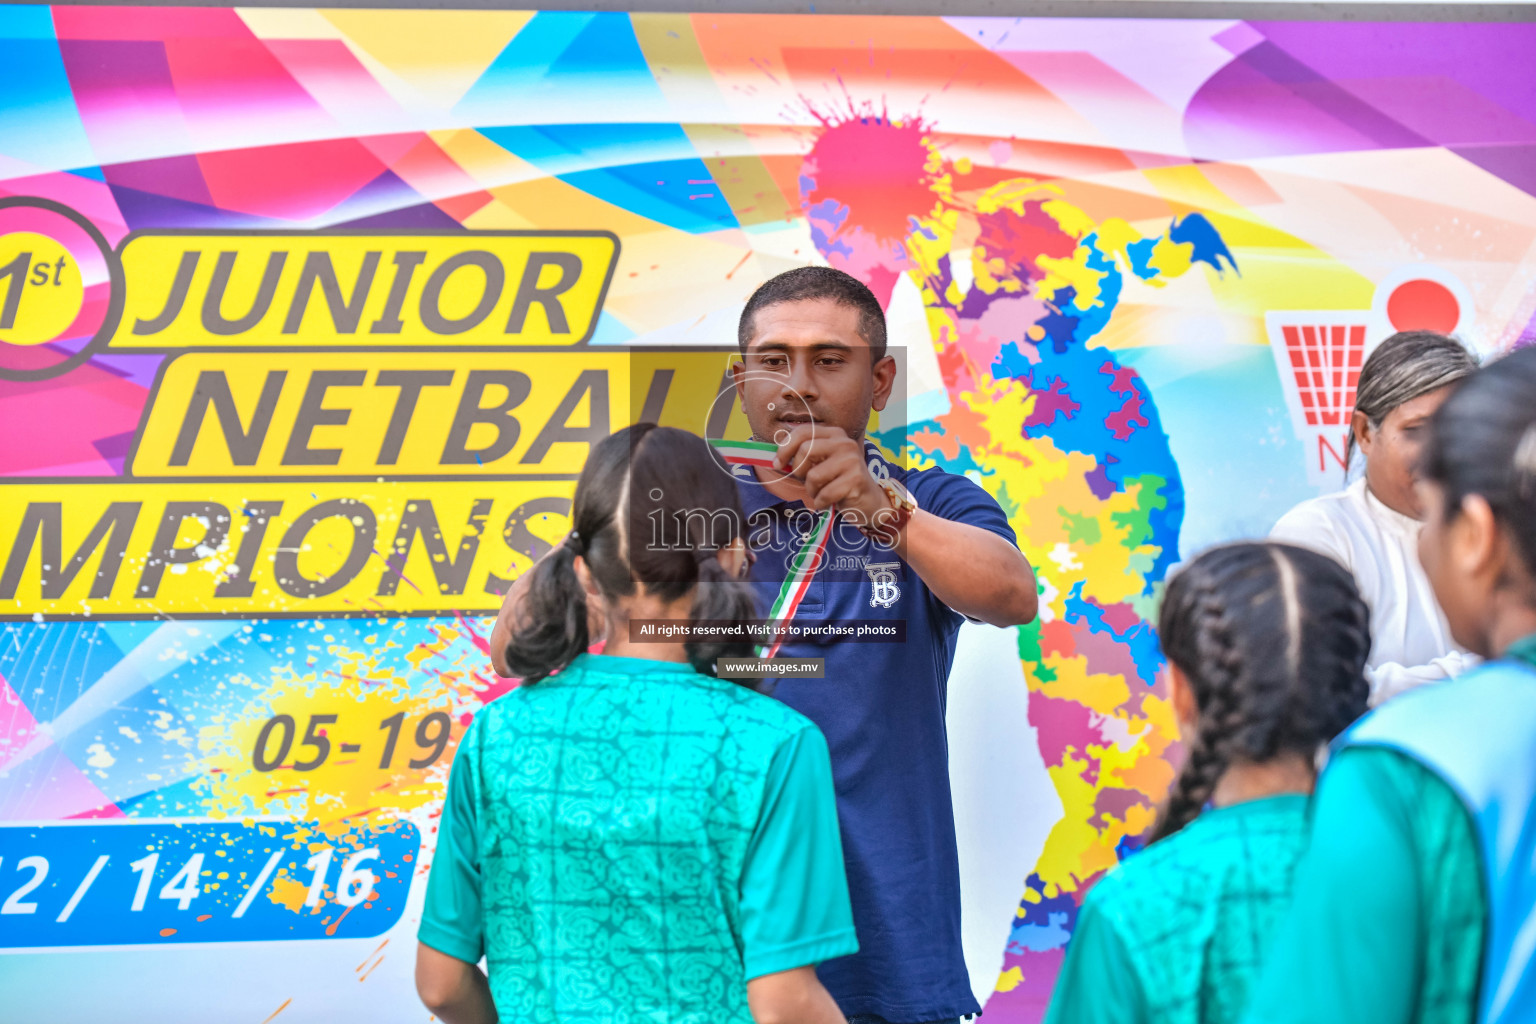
974 571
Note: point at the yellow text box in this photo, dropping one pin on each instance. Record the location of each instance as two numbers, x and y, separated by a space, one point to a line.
393 414
148 550
369 288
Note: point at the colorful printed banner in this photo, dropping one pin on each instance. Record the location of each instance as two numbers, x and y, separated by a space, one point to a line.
308 319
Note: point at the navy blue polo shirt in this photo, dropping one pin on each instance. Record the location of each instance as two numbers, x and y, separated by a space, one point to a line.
881 708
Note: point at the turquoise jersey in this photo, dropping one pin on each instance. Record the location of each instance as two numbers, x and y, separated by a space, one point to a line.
1414 904
1387 922
1176 933
630 840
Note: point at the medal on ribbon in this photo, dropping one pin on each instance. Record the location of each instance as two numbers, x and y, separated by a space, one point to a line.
813 548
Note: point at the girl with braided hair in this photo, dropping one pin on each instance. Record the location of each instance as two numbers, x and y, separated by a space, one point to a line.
626 836
1266 647
1416 902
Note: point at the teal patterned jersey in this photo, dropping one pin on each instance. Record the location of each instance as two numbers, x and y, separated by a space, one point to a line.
1391 911
1177 933
632 841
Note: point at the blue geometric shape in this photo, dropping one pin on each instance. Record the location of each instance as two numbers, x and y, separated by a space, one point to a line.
26 22
648 169
610 331
673 193
50 664
39 123
1039 938
564 67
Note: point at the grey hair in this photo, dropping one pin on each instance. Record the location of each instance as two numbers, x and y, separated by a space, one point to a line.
1405 366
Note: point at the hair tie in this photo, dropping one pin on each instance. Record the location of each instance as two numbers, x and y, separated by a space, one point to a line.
573 541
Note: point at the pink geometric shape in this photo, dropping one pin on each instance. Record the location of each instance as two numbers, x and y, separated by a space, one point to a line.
148 23
235 90
1239 38
67 793
102 404
91 199
393 147
1028 1000
295 182
334 78
433 173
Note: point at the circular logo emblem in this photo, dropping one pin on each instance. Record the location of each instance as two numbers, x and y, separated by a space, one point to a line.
61 289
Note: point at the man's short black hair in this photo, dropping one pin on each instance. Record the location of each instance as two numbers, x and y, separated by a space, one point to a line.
818 283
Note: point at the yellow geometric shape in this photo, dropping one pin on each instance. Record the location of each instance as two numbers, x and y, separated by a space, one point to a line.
439 54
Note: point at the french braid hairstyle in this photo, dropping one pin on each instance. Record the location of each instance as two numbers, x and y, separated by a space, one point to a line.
1273 640
653 506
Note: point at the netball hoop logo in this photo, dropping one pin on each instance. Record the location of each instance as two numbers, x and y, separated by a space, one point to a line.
1318 354
61 290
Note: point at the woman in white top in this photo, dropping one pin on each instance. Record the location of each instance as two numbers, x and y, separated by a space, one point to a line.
1372 526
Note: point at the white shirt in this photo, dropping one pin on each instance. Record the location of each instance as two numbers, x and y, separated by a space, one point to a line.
1410 640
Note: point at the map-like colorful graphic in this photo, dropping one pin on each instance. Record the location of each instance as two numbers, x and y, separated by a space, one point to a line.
1018 282
308 316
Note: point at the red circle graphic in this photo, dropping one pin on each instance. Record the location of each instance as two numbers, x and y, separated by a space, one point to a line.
1423 305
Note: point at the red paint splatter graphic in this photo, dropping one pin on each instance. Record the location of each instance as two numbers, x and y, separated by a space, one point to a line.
874 166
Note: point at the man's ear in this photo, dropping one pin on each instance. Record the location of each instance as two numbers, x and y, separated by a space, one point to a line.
738 369
1365 434
885 380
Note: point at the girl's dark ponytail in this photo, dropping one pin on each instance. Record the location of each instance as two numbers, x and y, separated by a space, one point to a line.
654 507
552 619
1273 640
550 626
685 502
719 598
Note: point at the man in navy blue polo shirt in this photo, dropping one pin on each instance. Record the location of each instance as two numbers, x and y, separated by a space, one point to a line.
813 366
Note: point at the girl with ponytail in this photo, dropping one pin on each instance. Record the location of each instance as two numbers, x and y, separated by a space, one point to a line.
625 835
1417 899
666 487
1266 646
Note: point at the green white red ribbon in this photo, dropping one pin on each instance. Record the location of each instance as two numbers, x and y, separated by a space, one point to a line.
747 453
803 566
